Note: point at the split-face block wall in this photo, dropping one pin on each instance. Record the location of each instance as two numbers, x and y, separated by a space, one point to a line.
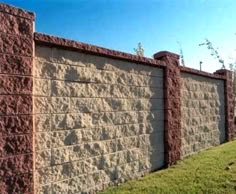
77 118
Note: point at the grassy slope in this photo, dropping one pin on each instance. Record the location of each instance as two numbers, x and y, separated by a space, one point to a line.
211 171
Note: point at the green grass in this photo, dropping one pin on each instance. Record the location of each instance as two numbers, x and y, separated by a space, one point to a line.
211 171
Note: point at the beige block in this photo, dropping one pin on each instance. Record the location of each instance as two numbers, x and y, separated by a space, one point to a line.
94 179
75 121
45 189
62 138
109 146
78 152
94 149
42 158
109 161
98 90
60 88
86 135
43 53
120 91
58 122
103 133
78 168
60 105
106 77
124 118
127 130
92 164
61 155
114 104
42 122
103 118
127 143
42 140
77 184
42 105
78 89
71 121
64 56
43 176
75 73
61 172
60 187
86 105
50 70
41 87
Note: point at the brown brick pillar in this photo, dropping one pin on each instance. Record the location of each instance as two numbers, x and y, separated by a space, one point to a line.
229 104
172 106
16 128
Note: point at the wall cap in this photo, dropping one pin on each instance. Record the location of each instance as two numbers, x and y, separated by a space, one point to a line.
48 40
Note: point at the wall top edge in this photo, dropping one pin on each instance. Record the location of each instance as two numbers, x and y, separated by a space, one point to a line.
9 9
201 73
48 40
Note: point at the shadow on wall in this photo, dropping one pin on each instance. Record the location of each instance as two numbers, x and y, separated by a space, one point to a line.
107 118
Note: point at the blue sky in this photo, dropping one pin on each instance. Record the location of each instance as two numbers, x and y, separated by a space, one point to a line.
157 24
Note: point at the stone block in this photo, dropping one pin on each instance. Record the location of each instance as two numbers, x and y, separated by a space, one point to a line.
10 45
43 176
42 141
42 105
42 122
61 172
103 133
15 84
15 25
60 105
60 88
43 53
42 87
60 187
15 125
45 189
15 145
17 184
77 184
79 152
86 105
43 158
63 138
20 164
10 105
68 57
61 155
16 65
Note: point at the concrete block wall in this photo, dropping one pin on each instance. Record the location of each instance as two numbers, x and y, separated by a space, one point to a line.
97 120
77 117
203 113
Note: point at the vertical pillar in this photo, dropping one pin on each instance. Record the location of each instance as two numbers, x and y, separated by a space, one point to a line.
16 127
172 106
229 104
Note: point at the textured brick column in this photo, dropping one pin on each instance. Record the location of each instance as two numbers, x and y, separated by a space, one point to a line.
172 106
16 128
229 104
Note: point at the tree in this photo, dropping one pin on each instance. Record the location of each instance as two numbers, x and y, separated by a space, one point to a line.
181 55
215 53
139 50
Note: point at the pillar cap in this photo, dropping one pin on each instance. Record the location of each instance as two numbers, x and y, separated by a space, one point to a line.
161 54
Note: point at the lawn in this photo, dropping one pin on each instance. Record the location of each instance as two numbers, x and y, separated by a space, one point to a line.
211 171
